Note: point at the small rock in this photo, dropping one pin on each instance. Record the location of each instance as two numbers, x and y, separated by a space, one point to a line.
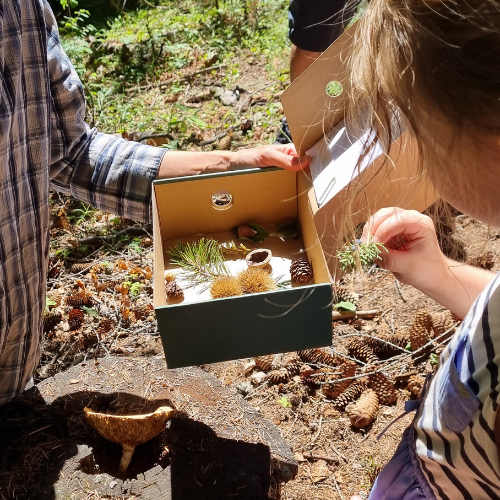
258 378
249 367
74 381
244 388
313 426
112 484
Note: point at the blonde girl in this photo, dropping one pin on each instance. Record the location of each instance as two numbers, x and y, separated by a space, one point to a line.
435 66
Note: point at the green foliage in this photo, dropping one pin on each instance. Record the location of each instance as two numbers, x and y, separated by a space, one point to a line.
201 261
363 253
434 358
408 347
49 303
345 306
91 311
284 401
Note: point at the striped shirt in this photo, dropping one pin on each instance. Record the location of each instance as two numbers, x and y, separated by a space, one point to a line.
45 143
454 427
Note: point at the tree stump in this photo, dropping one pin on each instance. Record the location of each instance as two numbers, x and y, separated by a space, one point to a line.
218 447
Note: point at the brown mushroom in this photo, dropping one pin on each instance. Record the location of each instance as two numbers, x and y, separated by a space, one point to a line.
130 430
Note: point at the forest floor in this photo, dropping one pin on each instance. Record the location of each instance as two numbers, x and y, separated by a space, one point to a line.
99 288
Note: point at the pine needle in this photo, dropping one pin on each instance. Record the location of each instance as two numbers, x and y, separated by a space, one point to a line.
202 261
364 253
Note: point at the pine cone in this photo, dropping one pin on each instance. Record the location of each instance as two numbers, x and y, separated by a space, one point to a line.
333 390
318 356
105 326
54 269
351 393
342 294
364 411
264 363
415 385
50 320
314 377
293 366
280 376
75 319
143 311
225 143
442 322
420 332
301 271
358 349
79 267
384 388
384 350
174 290
78 299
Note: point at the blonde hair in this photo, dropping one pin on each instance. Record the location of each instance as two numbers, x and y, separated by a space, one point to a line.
425 63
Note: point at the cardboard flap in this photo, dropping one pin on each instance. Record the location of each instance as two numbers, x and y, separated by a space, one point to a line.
309 110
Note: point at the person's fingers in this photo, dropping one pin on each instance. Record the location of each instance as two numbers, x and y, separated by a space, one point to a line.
403 229
288 149
375 220
275 157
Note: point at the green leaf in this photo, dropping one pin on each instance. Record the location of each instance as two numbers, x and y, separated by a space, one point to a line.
261 233
285 402
345 306
49 302
134 288
408 347
91 311
288 228
434 358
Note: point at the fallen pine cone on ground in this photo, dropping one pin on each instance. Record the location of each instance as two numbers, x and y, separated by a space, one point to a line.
358 348
333 390
342 294
442 322
420 332
320 357
383 387
351 393
264 363
415 385
364 411
286 372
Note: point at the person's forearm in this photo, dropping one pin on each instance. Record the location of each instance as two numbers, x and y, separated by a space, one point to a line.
183 163
458 287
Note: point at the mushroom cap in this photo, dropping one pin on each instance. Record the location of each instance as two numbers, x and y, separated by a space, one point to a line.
129 430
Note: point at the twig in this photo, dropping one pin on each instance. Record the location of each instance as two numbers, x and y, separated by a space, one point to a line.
398 286
221 135
337 488
310 456
319 430
338 452
187 76
295 420
153 136
253 93
155 6
368 314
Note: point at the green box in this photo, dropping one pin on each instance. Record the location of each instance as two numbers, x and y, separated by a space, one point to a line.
198 331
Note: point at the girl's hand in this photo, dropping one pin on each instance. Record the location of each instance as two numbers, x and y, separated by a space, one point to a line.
283 156
413 256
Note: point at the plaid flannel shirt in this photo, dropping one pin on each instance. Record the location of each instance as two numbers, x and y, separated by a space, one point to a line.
44 144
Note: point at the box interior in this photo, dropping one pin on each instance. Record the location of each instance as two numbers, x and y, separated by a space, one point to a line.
184 212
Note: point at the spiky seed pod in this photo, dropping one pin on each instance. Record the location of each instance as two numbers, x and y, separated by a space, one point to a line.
415 385
442 322
347 369
384 388
105 326
169 277
420 332
256 280
364 411
280 376
301 271
359 349
79 267
343 294
350 394
264 363
318 356
174 290
225 286
75 319
50 320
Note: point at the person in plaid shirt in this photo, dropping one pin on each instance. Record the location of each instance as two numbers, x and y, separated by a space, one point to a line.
46 144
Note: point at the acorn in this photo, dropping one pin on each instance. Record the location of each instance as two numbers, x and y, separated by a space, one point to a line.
245 231
169 277
301 271
420 332
364 411
384 388
174 290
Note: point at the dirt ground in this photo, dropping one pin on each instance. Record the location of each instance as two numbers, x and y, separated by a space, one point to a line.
114 295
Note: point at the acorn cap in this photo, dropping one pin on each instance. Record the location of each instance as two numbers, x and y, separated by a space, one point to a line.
130 430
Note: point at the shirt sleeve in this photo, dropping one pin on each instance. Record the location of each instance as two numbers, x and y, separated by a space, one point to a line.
108 172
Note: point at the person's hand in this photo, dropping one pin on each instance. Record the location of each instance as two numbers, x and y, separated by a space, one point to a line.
413 256
281 155
356 497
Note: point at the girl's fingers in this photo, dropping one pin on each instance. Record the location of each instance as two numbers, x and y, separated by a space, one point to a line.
375 220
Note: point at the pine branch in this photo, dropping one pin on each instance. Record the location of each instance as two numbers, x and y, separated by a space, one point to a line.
356 253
